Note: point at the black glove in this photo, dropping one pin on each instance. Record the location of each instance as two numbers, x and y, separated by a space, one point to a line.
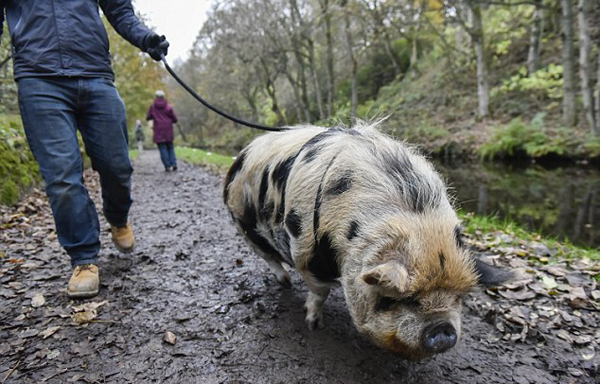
156 45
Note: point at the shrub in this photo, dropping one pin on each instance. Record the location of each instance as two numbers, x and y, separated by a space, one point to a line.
521 139
544 84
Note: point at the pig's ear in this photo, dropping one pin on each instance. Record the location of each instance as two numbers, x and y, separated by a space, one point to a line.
391 274
489 275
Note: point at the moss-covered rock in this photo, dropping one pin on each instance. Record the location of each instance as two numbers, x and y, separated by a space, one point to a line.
18 169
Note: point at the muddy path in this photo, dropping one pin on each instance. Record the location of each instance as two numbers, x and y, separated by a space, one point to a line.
193 276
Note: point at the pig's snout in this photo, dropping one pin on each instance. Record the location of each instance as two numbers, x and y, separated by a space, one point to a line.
439 337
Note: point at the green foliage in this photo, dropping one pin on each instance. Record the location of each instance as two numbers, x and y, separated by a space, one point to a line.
518 139
544 84
18 168
8 88
424 133
591 146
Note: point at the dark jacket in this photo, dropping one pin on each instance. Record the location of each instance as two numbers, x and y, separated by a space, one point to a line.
164 116
139 133
67 37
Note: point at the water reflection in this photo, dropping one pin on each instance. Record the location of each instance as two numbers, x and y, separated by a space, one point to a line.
561 202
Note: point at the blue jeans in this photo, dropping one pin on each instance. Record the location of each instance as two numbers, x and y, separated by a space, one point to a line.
53 109
167 154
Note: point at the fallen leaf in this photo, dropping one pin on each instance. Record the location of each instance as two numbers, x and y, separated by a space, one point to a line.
549 282
523 294
89 306
38 300
84 317
49 332
170 338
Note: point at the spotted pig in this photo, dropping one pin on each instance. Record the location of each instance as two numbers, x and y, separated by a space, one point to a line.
357 207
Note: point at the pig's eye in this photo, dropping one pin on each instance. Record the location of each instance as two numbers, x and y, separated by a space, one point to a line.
385 304
388 303
410 301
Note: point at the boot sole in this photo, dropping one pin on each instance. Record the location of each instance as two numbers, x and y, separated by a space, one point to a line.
82 295
121 249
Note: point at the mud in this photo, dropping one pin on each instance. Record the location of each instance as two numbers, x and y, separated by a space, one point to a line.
193 276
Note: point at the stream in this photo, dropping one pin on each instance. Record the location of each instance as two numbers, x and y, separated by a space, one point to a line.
560 202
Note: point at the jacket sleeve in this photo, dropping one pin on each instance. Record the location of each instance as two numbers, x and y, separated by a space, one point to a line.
149 115
1 17
122 17
173 116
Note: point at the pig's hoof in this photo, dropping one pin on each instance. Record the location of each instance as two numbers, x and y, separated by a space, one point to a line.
314 322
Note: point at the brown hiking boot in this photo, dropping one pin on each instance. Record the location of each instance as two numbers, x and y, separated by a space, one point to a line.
84 282
123 238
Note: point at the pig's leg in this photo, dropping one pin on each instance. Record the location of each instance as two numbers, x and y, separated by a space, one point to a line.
317 294
282 276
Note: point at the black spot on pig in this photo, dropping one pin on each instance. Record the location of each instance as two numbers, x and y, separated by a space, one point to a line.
317 211
233 171
262 194
418 191
311 147
282 239
458 237
311 153
442 262
318 199
279 177
323 264
248 223
341 185
353 230
293 222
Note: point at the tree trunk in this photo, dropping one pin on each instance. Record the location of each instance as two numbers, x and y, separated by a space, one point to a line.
585 64
568 59
271 93
483 91
382 35
414 55
388 50
598 96
351 56
535 40
296 92
297 48
315 77
329 57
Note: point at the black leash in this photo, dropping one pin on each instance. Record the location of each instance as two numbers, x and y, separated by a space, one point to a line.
215 109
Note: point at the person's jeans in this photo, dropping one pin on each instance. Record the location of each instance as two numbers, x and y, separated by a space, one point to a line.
53 109
167 154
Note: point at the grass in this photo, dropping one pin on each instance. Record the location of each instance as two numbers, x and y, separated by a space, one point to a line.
200 157
487 224
134 154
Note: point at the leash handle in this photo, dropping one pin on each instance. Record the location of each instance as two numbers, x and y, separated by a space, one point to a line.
215 109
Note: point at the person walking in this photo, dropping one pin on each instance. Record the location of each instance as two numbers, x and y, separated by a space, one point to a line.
65 83
164 117
139 135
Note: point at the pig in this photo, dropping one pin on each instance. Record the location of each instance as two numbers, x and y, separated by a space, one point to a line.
356 207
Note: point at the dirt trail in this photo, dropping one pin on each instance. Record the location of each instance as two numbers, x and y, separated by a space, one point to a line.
192 275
